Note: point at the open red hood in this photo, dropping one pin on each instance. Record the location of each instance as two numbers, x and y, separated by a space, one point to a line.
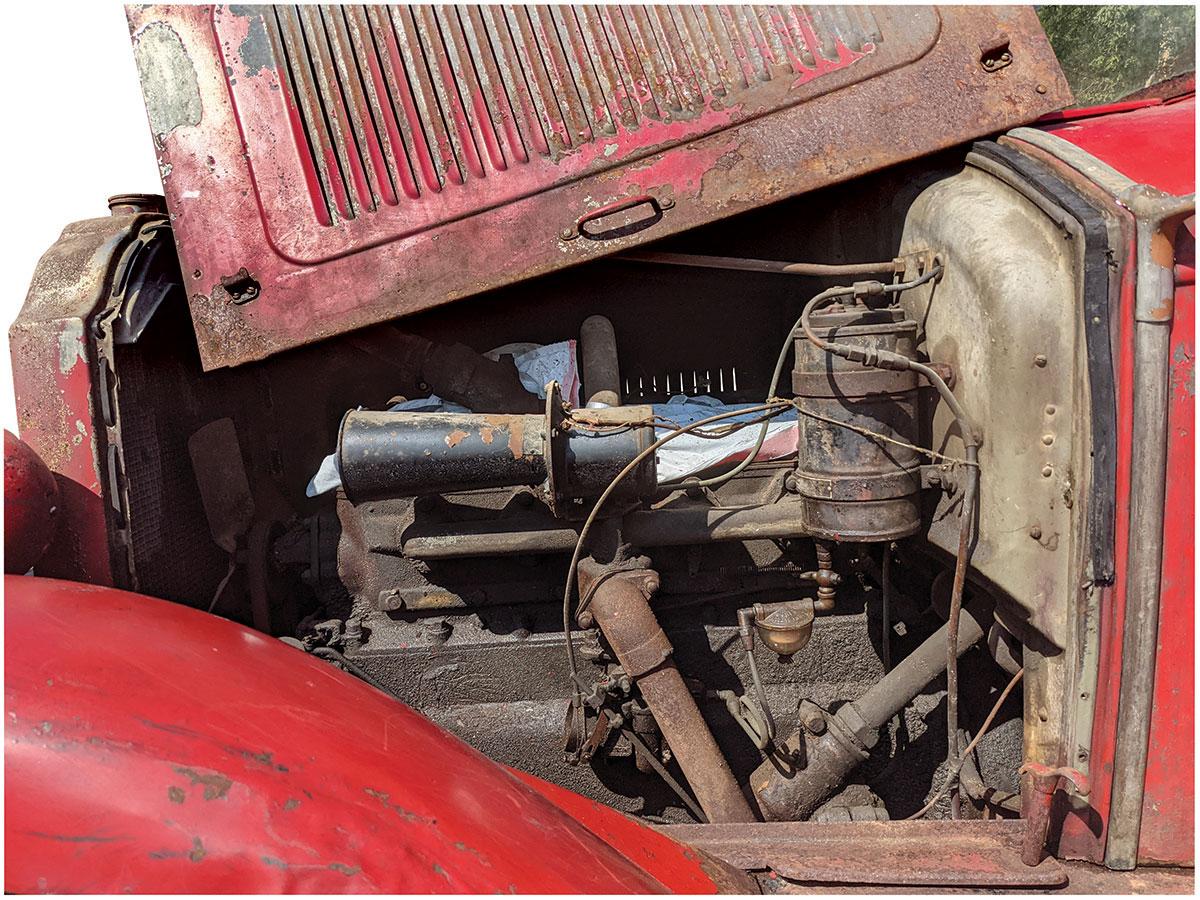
327 168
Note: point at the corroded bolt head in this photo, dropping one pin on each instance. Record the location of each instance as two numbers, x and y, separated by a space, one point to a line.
1035 532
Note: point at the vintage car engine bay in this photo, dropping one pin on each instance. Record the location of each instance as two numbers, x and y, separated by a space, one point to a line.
801 512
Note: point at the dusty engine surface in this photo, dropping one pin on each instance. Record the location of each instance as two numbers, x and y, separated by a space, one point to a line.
758 625
477 644
456 530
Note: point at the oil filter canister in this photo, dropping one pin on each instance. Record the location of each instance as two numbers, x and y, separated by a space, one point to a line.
856 482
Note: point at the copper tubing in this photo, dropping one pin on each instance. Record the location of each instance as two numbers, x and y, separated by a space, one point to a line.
620 606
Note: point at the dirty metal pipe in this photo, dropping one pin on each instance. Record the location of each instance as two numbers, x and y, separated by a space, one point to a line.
1037 803
704 524
620 607
407 454
701 524
815 270
843 740
894 691
465 540
598 362
411 454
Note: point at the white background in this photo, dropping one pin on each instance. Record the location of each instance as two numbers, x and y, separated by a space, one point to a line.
75 133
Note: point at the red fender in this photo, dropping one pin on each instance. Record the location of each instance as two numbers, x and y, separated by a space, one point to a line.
153 748
30 505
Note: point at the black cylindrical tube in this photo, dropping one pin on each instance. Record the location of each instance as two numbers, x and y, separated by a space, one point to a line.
407 454
593 459
598 361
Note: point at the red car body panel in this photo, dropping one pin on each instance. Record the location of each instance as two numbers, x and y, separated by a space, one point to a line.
31 505
1133 143
150 747
1168 810
168 750
409 157
1154 144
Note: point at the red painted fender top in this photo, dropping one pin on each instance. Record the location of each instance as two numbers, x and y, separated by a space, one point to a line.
1155 145
154 748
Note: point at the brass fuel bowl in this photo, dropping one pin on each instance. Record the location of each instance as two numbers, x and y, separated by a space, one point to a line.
785 627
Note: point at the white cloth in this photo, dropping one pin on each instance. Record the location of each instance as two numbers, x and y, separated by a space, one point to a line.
553 362
691 455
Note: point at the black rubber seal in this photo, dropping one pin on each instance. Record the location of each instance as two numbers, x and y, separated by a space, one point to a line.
1098 257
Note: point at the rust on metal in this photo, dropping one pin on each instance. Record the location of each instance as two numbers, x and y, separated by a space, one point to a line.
516 435
929 853
620 607
387 134
1037 803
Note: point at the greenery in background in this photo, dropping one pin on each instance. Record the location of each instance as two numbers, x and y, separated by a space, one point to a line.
1108 52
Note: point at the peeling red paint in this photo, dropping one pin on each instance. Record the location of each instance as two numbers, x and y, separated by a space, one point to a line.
622 101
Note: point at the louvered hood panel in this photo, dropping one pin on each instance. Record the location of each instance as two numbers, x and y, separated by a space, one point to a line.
325 149
404 118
